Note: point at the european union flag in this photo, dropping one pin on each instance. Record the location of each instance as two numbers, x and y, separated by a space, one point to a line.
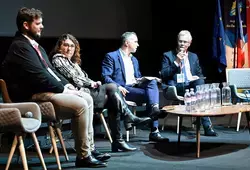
219 48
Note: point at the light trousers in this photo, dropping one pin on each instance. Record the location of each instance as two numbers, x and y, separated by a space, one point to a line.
80 111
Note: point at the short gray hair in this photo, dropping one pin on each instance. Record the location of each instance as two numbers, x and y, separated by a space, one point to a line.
185 32
125 36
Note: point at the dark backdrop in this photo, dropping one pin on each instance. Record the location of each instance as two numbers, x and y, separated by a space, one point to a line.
163 21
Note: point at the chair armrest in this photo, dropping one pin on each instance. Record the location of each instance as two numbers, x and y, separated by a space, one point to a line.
131 103
47 111
170 93
10 117
24 108
243 96
237 96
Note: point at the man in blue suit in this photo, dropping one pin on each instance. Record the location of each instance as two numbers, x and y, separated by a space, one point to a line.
181 64
122 68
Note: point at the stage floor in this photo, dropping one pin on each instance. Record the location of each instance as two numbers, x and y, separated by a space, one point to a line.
230 150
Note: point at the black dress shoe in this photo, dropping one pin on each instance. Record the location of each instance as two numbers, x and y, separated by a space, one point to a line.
156 137
131 120
100 156
210 132
90 162
128 126
121 145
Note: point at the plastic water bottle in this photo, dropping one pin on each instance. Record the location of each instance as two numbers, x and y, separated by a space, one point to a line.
226 94
193 99
198 98
207 97
213 95
218 95
187 100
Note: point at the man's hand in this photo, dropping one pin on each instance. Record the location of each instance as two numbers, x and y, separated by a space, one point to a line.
99 83
195 78
123 90
70 90
70 87
180 56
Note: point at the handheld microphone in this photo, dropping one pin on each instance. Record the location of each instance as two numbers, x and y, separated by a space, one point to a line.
28 114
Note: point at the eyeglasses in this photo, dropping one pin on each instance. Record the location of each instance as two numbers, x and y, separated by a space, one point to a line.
68 45
183 41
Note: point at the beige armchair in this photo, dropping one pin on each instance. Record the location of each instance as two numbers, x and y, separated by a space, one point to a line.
12 119
48 116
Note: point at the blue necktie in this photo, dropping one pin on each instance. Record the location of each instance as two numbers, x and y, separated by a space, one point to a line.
184 72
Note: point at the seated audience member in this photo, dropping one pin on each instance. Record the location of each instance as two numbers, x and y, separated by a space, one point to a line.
66 59
183 63
122 68
31 77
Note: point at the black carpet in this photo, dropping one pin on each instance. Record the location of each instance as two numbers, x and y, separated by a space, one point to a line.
230 150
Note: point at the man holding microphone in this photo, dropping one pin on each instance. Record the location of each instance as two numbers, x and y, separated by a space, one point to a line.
181 68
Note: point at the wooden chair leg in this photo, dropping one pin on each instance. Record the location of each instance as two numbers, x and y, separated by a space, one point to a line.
38 150
59 134
238 121
18 153
59 125
12 151
53 141
51 149
106 127
22 152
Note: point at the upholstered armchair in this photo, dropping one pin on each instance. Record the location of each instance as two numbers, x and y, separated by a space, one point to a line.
239 82
21 118
172 98
48 116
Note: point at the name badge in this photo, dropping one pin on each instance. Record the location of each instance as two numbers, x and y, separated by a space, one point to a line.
180 78
53 74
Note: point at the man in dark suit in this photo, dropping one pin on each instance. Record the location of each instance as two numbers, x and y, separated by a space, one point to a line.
181 68
122 68
30 76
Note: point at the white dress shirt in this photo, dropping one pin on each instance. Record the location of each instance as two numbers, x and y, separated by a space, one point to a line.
129 68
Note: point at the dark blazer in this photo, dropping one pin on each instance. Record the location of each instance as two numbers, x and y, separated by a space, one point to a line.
169 70
25 73
113 70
